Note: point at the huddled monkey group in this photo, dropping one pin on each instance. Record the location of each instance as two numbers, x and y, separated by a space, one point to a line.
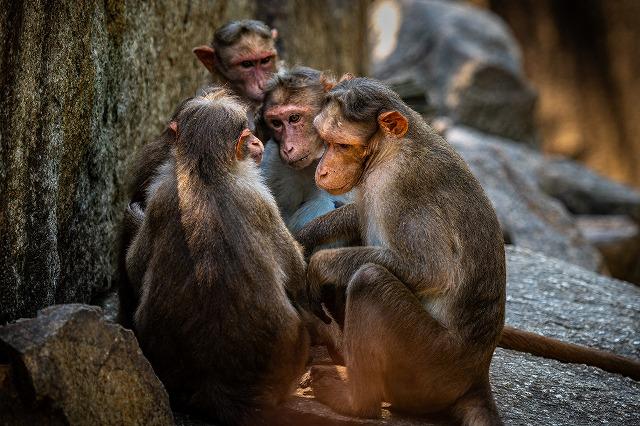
230 271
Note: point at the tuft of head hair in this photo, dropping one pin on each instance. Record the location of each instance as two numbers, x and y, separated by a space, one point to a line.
294 79
231 32
208 126
362 99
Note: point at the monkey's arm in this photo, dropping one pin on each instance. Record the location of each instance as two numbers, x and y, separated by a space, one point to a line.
341 223
330 270
138 256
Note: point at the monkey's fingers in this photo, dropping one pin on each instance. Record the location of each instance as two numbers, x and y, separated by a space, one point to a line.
316 308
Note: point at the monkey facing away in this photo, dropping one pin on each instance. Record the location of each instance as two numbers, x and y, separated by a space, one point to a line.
292 99
422 302
217 267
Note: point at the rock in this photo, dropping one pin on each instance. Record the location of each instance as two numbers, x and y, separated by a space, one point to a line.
529 217
69 366
84 85
583 61
458 59
567 302
618 239
583 191
564 301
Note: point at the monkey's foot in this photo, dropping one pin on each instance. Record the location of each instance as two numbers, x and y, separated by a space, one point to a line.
328 383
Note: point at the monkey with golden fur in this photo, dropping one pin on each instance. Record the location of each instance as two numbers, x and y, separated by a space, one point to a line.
422 302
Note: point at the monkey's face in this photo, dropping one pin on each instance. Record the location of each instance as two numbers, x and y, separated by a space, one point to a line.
249 146
249 65
346 151
292 128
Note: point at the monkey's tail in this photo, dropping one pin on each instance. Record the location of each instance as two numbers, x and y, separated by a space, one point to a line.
535 344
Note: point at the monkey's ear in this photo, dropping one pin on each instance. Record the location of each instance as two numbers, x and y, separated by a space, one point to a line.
274 34
346 76
173 126
241 143
206 55
393 123
327 82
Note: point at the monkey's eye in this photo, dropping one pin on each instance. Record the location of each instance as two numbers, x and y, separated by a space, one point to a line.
294 118
343 145
265 60
246 64
276 124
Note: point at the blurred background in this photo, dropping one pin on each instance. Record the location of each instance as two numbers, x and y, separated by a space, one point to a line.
538 96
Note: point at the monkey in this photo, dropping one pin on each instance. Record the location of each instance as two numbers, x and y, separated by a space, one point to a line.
292 99
422 302
243 55
220 274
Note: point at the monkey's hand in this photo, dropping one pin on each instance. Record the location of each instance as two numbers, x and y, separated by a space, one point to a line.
319 290
305 242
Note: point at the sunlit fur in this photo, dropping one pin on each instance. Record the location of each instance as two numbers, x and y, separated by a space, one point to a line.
218 276
423 298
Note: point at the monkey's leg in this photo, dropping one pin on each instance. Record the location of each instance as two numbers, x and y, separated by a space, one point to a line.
394 350
341 223
330 270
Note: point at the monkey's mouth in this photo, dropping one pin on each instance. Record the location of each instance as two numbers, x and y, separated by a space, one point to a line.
338 190
257 158
297 162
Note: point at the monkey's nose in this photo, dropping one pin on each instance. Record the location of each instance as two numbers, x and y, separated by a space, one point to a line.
322 173
289 149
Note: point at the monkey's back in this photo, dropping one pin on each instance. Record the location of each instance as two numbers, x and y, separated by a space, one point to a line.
215 320
456 237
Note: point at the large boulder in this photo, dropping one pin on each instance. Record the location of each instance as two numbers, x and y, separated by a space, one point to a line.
84 85
582 57
69 366
618 239
462 61
564 301
529 217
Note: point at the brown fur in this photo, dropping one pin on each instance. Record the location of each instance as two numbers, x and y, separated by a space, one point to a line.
425 298
293 98
231 41
216 265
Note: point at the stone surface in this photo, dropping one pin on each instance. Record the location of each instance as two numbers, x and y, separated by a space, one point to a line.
583 191
69 366
563 301
461 60
84 85
618 239
530 218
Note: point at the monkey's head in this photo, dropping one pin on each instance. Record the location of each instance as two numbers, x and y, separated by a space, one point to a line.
360 115
244 54
292 99
212 133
